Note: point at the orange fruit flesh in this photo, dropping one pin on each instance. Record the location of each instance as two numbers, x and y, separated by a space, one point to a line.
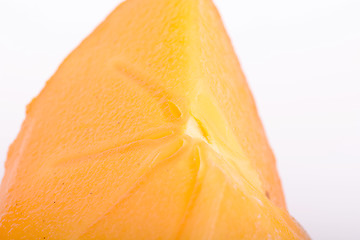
148 130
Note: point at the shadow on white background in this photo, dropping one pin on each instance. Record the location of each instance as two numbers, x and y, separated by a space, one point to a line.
302 60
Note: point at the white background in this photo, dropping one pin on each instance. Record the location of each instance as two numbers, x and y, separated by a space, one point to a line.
302 60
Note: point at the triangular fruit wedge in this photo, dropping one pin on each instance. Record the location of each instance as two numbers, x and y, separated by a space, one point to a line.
148 130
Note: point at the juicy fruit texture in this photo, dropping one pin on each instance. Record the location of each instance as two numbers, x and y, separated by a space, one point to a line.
148 130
